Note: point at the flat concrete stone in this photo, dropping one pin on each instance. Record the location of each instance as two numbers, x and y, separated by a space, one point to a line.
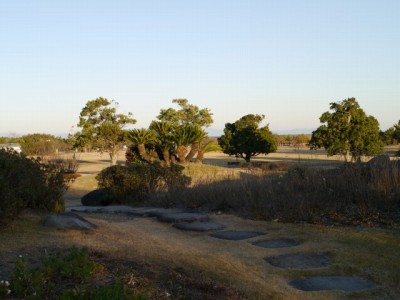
199 226
299 261
161 211
327 283
68 220
277 243
103 209
183 217
236 235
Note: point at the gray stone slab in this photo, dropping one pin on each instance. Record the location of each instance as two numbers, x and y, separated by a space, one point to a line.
68 220
160 211
84 209
277 243
323 283
183 217
199 226
236 235
103 209
299 261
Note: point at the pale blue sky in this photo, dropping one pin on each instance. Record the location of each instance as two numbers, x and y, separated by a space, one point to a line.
285 59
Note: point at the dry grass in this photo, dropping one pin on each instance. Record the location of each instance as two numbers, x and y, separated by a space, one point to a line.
373 254
150 246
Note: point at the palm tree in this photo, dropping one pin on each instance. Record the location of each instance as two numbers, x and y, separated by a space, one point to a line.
197 135
207 145
142 137
183 137
164 137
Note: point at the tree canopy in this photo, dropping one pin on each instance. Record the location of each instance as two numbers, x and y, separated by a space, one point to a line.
244 138
177 136
188 114
103 127
347 130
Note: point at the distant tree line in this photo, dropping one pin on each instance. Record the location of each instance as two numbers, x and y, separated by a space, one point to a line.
39 144
178 134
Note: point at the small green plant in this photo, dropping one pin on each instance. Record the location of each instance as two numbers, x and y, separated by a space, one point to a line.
117 291
71 275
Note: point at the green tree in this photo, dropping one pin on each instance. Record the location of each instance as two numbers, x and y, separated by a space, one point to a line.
102 125
396 131
188 114
207 145
186 125
164 138
347 130
246 139
140 138
41 144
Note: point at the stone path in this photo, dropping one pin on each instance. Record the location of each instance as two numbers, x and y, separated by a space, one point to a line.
200 222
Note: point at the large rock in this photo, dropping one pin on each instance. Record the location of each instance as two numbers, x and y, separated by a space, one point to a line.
97 197
380 161
68 220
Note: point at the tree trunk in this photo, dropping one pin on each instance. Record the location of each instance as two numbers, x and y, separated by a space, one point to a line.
200 156
194 149
113 157
181 153
143 153
166 157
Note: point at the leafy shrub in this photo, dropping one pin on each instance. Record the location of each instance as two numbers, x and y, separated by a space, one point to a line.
137 181
30 182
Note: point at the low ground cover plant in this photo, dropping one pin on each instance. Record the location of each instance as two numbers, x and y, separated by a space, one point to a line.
64 276
32 183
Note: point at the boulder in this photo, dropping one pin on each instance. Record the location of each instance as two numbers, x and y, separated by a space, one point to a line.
68 220
97 197
380 161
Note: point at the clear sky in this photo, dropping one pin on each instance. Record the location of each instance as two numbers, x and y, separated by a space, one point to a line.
286 59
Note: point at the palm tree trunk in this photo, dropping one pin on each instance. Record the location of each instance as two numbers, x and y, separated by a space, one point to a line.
181 153
143 153
166 157
193 150
200 156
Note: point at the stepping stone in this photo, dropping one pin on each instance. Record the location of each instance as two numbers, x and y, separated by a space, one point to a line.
103 209
199 226
183 217
299 261
277 243
323 283
68 220
155 212
236 235
85 209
